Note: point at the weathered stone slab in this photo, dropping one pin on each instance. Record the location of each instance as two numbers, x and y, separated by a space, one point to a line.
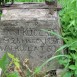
21 34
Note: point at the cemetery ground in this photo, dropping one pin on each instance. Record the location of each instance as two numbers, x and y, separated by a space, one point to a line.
65 53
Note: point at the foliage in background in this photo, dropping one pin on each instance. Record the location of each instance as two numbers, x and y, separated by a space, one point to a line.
68 18
29 0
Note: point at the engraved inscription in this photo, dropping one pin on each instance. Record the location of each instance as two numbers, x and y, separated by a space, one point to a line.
26 39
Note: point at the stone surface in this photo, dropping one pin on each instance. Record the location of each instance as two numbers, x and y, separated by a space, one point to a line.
21 34
59 72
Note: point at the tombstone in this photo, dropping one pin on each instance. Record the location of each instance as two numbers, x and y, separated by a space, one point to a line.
21 33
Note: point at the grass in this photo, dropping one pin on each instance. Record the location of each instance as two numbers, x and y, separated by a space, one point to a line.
60 1
63 2
29 0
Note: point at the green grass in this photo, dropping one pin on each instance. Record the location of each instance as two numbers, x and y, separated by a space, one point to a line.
29 0
63 2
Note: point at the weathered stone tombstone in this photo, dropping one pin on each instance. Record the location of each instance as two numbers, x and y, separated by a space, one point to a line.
21 34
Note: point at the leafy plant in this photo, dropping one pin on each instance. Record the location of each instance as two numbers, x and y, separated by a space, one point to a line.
68 18
6 63
14 60
13 74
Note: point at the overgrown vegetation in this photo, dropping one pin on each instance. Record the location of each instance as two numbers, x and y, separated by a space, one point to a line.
29 0
9 67
68 18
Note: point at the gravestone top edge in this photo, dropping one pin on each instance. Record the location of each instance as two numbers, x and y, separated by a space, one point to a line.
28 14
